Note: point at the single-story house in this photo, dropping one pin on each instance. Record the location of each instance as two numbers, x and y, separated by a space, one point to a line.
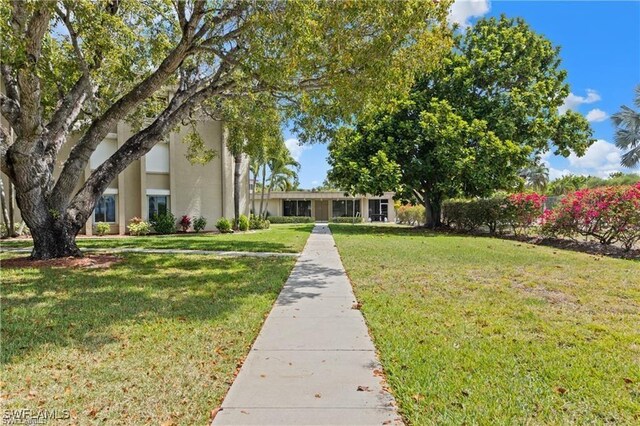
324 205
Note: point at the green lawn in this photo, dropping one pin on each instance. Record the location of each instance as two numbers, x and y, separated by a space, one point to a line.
489 331
279 239
155 339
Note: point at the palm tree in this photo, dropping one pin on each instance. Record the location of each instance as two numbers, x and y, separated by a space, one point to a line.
282 173
627 134
536 175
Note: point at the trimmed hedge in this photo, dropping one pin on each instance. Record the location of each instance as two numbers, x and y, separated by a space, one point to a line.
517 211
469 215
292 219
411 215
256 222
347 219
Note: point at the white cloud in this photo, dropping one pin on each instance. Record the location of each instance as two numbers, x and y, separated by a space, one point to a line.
601 159
573 101
463 10
596 115
294 147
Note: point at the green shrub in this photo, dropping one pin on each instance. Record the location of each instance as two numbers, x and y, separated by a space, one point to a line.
243 223
223 225
138 227
469 215
411 215
102 228
199 224
19 229
164 223
256 222
357 219
292 219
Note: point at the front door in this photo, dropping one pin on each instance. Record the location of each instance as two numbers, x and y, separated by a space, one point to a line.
322 210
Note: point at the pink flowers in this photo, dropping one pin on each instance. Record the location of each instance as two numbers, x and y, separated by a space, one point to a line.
608 214
525 209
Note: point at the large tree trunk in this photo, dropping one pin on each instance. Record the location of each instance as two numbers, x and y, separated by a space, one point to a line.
432 212
264 181
56 240
237 172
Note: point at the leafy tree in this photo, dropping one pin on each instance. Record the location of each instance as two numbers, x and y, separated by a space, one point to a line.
536 175
252 125
469 126
282 173
83 66
566 184
627 135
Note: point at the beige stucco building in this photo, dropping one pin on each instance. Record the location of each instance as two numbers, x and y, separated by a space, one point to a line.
163 179
325 205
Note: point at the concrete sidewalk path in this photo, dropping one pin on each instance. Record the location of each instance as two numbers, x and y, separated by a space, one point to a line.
313 362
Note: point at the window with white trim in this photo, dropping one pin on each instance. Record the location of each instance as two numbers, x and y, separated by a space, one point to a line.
158 205
105 210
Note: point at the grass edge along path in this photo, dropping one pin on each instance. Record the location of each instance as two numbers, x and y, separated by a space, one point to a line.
490 331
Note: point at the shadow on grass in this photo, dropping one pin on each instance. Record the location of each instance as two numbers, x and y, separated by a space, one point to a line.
79 307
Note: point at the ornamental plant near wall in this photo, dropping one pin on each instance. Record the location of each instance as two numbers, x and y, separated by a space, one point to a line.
608 214
185 223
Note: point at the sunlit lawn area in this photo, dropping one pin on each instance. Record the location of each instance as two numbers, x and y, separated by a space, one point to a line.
155 339
487 331
279 239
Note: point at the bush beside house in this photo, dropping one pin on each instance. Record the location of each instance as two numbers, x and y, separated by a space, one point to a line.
102 228
138 227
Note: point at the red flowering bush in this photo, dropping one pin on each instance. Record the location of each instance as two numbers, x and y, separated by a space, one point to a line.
523 210
185 223
609 214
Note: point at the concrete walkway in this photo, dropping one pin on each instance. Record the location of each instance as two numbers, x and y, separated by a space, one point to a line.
165 251
313 362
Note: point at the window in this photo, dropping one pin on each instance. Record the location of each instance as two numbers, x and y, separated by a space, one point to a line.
296 207
378 210
158 205
105 210
345 208
157 160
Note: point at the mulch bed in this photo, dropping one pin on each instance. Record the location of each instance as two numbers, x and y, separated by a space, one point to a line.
590 247
91 261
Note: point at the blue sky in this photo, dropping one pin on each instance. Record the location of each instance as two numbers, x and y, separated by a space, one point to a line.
600 49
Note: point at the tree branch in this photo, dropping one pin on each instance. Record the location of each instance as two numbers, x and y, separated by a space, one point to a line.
74 40
136 146
9 109
81 152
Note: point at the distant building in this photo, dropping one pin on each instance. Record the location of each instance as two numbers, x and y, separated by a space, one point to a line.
324 205
163 180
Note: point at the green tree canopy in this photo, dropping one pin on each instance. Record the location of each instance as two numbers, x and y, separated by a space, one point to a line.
468 127
81 66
